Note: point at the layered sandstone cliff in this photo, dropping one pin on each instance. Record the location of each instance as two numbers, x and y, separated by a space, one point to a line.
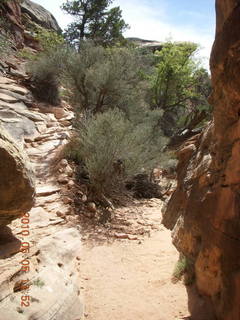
203 213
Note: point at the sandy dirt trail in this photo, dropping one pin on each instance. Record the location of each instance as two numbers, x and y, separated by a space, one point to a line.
124 279
132 280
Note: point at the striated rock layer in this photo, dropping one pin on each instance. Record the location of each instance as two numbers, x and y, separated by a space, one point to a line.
39 15
204 211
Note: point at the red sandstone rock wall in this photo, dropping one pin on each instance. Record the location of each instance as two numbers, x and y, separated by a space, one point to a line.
204 212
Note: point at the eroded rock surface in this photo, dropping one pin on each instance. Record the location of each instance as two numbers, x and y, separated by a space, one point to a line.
16 183
39 15
204 210
54 240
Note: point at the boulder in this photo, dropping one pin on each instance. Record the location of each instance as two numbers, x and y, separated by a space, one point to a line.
16 183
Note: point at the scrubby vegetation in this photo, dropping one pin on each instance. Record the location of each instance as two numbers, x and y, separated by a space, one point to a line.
101 79
113 148
129 102
5 41
184 268
45 73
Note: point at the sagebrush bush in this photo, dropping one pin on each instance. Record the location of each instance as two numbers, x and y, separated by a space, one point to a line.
45 73
113 149
103 78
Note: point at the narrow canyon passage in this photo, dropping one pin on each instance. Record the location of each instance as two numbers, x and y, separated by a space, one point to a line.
132 280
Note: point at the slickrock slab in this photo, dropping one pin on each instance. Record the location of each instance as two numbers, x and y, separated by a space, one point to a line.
13 88
19 97
4 80
47 190
7 98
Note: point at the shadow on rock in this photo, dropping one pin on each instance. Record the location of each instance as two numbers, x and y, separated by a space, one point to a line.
9 244
199 307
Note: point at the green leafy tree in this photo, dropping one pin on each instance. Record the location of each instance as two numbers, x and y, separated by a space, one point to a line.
176 86
94 21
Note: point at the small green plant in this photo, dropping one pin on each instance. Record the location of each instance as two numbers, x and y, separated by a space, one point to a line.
184 267
38 283
49 40
27 54
5 46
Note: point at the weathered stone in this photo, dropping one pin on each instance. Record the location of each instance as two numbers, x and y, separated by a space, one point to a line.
89 214
7 98
63 179
39 15
4 81
204 210
16 183
91 206
84 198
69 171
63 163
47 190
59 113
13 87
120 235
67 200
71 184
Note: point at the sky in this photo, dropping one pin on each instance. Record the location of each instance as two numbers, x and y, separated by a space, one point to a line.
179 20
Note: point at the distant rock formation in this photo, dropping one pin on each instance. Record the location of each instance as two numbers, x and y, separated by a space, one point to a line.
149 44
203 213
39 15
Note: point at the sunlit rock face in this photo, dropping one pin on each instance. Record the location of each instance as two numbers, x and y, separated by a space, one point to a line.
39 15
204 212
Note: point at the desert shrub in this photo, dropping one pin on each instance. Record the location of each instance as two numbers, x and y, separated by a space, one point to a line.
112 149
49 39
104 78
27 54
45 74
184 267
5 46
5 38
